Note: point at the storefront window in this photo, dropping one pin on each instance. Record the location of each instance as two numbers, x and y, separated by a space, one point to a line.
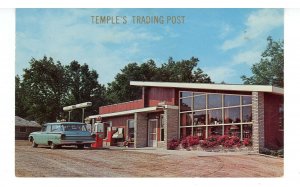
247 114
214 100
233 130
217 130
231 100
131 130
199 102
232 115
184 132
247 131
186 119
186 104
215 117
205 114
200 118
186 94
199 131
247 100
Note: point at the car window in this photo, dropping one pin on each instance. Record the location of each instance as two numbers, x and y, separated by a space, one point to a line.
74 127
48 128
56 128
44 128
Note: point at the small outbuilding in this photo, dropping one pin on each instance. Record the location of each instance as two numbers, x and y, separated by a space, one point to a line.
24 127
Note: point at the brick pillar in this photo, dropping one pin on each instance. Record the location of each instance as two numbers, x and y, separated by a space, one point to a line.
170 124
140 130
258 137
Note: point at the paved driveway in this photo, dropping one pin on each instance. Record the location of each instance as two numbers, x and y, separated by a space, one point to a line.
70 162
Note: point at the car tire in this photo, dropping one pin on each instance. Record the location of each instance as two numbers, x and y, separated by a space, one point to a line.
53 146
80 146
33 144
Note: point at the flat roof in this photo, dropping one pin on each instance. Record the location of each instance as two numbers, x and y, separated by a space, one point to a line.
206 86
126 112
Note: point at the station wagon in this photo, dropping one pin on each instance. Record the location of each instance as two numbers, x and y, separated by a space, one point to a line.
56 135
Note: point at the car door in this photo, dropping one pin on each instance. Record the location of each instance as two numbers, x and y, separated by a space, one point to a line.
44 136
39 136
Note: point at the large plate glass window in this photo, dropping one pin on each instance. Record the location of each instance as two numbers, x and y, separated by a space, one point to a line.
247 100
199 102
214 100
231 100
184 132
186 104
200 118
247 114
186 119
232 115
214 117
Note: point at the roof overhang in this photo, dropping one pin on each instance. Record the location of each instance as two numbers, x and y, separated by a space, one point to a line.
228 87
128 112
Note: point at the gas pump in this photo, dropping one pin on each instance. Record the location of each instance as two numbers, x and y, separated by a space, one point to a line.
98 129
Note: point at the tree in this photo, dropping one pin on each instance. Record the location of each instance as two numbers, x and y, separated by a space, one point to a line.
48 86
269 71
20 99
120 90
182 71
83 86
44 87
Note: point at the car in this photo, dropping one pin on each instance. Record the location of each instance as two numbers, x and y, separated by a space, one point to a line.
59 134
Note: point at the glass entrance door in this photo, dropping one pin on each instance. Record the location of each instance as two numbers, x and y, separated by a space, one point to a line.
152 133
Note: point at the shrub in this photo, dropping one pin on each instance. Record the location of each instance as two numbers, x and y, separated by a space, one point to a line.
247 142
232 141
189 141
210 142
221 140
193 140
185 143
280 152
173 144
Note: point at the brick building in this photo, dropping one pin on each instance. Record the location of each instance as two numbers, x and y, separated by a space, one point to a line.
175 110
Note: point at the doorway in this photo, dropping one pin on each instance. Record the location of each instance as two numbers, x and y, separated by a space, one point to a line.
152 133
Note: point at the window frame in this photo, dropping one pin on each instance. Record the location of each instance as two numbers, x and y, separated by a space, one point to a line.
207 109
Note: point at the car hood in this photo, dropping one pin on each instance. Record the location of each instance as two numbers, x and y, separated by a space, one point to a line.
33 133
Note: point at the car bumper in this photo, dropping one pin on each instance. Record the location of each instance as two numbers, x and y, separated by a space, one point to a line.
73 142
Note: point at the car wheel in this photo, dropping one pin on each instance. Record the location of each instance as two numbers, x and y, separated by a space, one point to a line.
80 146
33 144
53 146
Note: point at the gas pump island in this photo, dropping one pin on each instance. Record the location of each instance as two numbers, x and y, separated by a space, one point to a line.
106 135
98 129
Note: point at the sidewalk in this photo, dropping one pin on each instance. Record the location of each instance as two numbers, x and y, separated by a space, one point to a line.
160 151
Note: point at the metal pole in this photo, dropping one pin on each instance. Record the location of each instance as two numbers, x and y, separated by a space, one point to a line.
70 114
82 115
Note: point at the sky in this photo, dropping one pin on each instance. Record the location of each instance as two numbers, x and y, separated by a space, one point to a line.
226 41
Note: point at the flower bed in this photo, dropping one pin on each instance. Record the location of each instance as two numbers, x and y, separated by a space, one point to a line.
212 143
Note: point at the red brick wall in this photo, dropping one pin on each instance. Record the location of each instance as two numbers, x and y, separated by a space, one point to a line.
273 134
155 95
136 104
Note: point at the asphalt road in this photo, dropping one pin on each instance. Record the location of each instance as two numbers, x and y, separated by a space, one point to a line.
71 162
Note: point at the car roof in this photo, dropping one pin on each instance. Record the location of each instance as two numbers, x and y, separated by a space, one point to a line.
65 123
